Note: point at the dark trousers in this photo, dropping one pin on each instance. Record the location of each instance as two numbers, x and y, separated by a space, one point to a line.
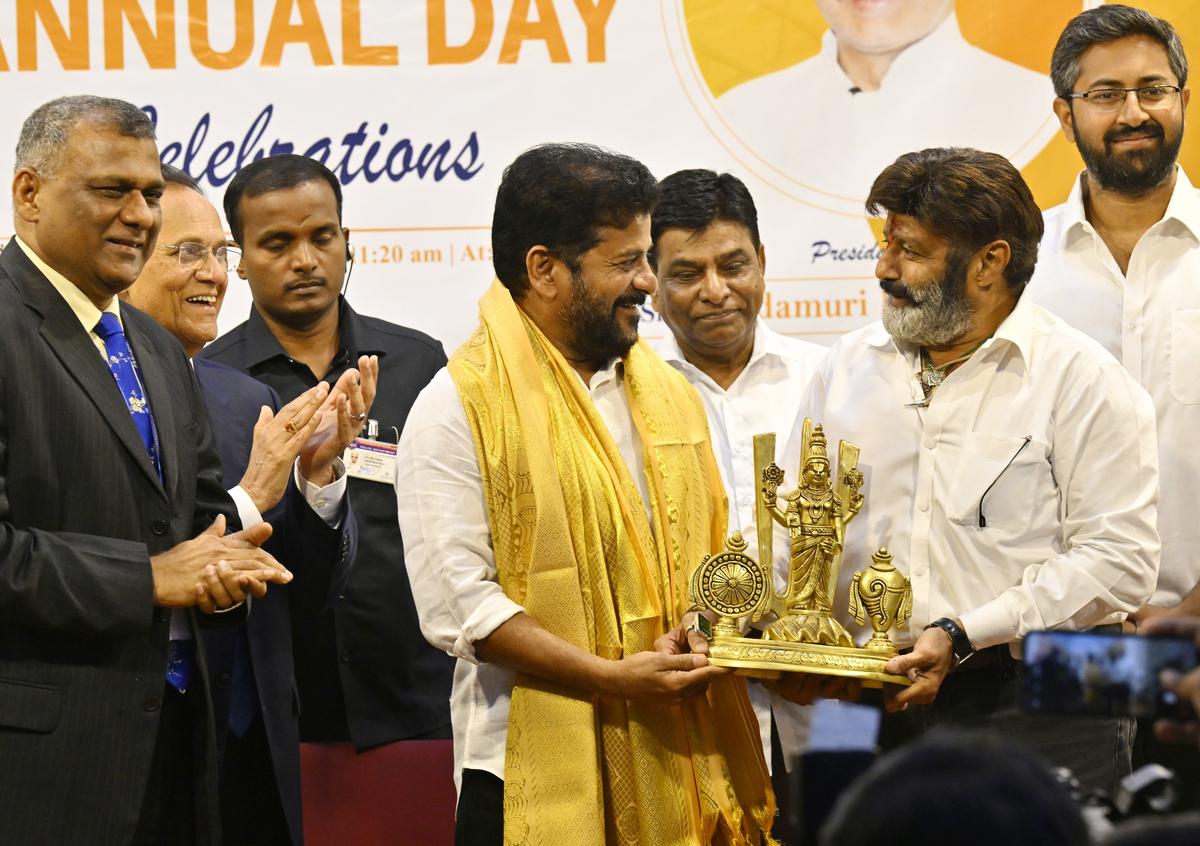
479 820
169 810
985 695
251 810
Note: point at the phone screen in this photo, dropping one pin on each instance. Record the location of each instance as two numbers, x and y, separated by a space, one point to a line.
1103 675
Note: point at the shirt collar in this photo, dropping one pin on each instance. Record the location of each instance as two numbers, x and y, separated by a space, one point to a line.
354 336
1183 207
82 307
911 67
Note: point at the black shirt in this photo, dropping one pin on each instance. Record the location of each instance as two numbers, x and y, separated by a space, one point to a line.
364 671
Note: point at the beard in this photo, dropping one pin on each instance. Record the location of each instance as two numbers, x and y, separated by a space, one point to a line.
938 312
1134 172
596 330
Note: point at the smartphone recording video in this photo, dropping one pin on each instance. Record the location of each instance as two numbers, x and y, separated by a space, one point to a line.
1103 675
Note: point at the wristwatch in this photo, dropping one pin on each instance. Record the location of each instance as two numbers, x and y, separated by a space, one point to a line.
959 642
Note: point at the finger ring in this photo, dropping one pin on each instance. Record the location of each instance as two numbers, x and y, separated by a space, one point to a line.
290 426
702 626
359 417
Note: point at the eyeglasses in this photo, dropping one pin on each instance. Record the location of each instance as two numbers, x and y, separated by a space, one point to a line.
1150 97
192 255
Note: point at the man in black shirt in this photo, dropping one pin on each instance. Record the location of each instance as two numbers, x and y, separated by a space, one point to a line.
365 673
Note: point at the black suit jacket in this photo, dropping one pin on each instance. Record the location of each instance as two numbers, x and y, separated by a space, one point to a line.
83 650
364 670
318 556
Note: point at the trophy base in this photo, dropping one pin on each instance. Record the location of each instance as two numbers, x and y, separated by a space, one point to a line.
770 659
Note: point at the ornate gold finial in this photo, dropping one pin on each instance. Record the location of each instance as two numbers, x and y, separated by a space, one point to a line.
816 449
882 594
736 543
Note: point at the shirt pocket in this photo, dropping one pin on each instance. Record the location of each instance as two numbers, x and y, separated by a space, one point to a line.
1002 482
1185 356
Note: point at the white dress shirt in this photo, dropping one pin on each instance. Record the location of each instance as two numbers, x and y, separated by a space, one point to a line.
1023 497
1149 319
448 551
763 398
809 121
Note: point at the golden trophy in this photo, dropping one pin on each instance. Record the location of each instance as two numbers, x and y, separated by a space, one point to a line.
805 636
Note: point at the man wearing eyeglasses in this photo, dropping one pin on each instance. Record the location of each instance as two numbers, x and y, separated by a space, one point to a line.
1121 257
291 475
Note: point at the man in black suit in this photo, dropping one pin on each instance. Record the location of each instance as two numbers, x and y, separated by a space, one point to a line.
365 672
106 470
182 287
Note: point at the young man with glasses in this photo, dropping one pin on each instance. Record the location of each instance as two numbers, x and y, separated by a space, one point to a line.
1121 257
291 475
1121 260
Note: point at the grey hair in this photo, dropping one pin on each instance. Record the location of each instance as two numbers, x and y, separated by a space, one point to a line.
1108 23
46 131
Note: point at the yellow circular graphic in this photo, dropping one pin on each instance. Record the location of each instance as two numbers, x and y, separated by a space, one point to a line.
817 116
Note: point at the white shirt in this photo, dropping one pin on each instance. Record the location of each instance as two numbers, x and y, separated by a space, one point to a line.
1149 319
763 398
1042 433
448 552
940 92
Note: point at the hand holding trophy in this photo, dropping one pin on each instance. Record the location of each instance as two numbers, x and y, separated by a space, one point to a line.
806 636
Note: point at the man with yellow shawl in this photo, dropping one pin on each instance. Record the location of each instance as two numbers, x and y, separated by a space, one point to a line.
556 487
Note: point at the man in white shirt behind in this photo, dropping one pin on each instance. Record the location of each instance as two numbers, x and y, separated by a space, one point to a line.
1010 462
833 121
1121 261
710 261
1121 257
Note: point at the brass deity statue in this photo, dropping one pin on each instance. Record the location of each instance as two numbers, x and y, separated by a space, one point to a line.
815 519
806 636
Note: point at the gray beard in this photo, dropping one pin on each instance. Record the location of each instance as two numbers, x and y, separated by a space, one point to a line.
943 313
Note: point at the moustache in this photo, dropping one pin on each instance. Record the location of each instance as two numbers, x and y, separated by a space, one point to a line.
637 298
899 290
1122 132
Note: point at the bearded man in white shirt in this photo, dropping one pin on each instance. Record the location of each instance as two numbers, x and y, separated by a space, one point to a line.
834 120
556 488
1121 257
1010 462
709 261
1121 261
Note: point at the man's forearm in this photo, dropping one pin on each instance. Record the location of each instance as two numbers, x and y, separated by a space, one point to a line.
521 644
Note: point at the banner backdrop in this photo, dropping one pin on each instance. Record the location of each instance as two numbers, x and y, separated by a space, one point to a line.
417 106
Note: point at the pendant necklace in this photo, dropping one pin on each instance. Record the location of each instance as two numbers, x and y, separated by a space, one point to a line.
931 376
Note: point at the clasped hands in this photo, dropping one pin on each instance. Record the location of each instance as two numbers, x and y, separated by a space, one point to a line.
315 427
216 571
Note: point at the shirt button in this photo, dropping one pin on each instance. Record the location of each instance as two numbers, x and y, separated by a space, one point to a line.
745 499
321 503
1133 327
344 657
924 506
152 703
920 571
930 444
159 527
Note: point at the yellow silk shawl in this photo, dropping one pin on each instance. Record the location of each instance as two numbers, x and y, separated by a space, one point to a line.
573 545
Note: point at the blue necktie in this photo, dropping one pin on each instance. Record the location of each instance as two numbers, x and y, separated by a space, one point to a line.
181 660
124 370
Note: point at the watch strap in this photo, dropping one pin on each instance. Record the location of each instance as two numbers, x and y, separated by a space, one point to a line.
959 642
